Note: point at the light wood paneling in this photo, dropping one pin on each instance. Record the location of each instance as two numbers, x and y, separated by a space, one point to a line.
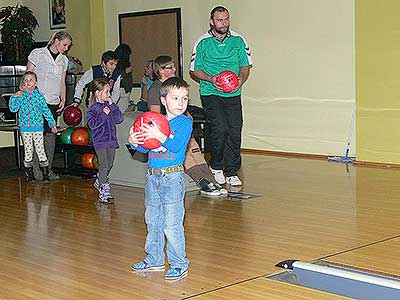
57 244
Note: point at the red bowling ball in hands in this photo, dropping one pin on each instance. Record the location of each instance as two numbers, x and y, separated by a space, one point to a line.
72 115
228 81
152 118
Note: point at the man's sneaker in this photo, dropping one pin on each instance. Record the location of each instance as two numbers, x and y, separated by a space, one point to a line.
144 266
208 188
96 185
218 176
214 193
222 191
176 273
234 188
233 180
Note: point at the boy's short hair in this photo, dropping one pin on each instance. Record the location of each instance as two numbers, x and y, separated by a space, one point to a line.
173 82
109 55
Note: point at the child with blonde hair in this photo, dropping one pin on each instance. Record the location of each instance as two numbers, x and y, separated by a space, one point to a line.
31 106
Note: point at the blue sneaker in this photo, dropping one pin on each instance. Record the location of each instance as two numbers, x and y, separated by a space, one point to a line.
144 266
176 273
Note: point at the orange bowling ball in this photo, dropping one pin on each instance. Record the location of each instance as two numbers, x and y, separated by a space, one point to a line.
80 136
89 161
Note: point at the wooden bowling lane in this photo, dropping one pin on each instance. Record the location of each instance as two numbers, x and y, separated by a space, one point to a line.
377 209
56 235
378 258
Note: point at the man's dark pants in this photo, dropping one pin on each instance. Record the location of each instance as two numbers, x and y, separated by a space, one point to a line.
226 120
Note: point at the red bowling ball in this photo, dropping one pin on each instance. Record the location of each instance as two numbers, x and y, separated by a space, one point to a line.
80 136
72 115
152 118
228 81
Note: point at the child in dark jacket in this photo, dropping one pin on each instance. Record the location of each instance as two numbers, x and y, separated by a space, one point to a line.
108 71
31 106
103 115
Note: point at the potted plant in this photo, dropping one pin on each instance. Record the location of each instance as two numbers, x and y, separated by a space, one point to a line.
17 30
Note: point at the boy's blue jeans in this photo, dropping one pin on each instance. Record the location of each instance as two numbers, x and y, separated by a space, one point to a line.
164 218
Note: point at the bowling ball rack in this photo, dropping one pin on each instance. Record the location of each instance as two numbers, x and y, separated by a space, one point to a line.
71 164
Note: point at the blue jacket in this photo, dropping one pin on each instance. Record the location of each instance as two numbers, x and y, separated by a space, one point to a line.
103 126
31 107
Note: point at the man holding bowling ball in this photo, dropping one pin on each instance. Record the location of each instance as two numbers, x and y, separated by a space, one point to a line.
221 49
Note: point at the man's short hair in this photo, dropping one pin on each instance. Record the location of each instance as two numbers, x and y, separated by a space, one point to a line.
215 9
109 55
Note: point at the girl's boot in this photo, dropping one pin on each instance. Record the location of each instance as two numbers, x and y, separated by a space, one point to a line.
46 174
29 174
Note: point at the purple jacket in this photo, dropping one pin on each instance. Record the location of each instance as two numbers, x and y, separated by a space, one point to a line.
103 126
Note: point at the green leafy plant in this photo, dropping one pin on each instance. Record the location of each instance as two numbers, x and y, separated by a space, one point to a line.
17 30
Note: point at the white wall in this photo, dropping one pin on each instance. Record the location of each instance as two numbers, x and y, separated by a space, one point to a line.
301 91
302 88
9 2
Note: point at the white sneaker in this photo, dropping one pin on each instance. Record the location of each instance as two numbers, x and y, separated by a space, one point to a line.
218 176
223 192
215 193
233 180
208 188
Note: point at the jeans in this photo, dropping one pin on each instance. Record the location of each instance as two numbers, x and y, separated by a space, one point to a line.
164 219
